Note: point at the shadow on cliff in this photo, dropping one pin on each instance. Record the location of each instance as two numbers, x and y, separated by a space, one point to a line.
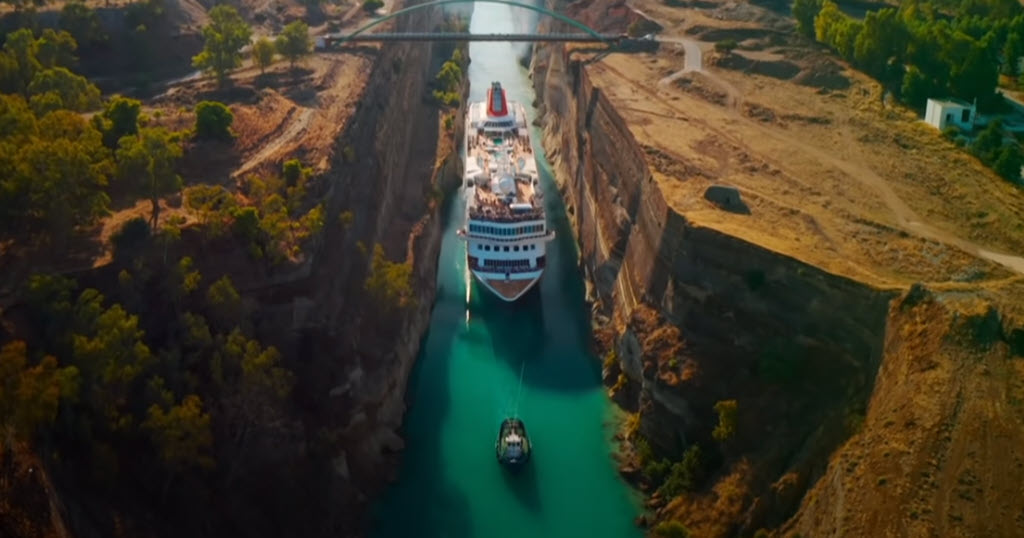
423 503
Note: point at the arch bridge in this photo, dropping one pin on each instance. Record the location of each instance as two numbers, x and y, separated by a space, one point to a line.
585 33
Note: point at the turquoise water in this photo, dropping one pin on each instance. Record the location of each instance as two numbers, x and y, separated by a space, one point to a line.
466 381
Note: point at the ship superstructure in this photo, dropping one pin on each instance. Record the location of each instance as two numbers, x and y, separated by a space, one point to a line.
506 231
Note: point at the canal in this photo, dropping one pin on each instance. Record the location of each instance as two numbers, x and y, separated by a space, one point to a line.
467 379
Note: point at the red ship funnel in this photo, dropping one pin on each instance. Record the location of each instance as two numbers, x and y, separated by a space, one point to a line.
496 105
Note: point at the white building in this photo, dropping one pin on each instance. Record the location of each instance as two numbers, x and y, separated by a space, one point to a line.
942 113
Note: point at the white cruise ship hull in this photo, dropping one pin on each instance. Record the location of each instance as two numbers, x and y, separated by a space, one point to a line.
506 230
508 289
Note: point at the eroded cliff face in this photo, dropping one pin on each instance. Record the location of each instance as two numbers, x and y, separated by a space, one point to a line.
695 316
352 353
940 451
688 316
314 463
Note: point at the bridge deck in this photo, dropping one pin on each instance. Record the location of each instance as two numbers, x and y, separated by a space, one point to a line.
462 36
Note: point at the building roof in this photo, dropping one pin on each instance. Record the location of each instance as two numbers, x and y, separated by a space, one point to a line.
951 102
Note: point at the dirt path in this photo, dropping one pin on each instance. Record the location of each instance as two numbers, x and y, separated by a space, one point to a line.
297 126
906 217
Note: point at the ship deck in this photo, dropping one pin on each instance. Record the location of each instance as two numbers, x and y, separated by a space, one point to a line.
497 150
520 158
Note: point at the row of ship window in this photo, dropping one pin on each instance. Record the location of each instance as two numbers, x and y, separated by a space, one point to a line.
515 248
494 230
506 263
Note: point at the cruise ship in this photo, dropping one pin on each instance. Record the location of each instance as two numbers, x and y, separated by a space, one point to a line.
506 231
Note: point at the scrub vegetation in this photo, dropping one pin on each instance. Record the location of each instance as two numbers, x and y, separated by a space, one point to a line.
132 363
922 49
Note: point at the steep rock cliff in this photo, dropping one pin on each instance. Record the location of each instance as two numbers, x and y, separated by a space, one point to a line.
940 452
795 346
689 315
388 170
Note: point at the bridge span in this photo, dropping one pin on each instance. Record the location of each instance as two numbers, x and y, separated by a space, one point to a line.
465 36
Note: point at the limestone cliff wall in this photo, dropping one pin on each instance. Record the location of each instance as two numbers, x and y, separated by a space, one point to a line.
353 356
696 315
939 453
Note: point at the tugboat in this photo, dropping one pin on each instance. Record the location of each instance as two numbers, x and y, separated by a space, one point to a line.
513 446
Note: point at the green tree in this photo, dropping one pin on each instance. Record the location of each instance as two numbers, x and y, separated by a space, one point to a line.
1013 49
976 76
448 80
61 174
16 119
22 50
196 335
56 49
263 51
989 142
916 87
804 11
726 428
30 395
20 5
246 227
294 42
111 355
671 529
58 88
148 160
144 13
82 23
49 303
684 475
255 391
459 58
450 76
836 30
726 45
10 75
181 280
225 304
120 118
1008 162
389 283
224 38
213 120
214 206
181 434
883 39
827 23
294 173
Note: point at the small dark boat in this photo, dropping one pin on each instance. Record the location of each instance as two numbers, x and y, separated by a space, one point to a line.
513 446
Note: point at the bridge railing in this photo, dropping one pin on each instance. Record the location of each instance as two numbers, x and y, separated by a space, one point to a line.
330 40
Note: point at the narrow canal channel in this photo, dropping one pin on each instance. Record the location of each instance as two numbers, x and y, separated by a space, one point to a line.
466 381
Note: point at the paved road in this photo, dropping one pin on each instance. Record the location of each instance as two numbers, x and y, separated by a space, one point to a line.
694 57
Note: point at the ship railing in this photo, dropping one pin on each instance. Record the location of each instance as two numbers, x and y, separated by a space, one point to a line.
547 236
505 215
475 265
